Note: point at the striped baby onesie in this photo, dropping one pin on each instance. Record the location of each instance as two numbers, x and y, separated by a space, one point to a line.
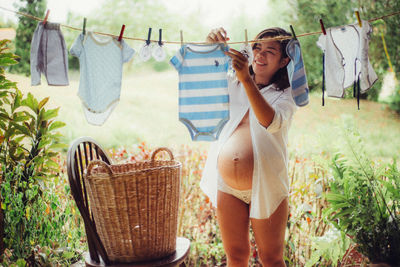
297 73
203 89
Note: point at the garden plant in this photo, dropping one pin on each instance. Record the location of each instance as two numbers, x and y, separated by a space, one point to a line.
35 213
364 201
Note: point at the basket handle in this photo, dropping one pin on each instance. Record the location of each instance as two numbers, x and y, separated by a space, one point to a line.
98 162
153 156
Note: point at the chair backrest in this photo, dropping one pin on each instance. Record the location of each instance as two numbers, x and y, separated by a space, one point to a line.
80 153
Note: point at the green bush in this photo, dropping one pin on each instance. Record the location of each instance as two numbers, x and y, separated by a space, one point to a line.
365 200
394 102
26 206
34 215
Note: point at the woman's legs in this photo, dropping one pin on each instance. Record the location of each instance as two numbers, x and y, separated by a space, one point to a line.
233 220
270 236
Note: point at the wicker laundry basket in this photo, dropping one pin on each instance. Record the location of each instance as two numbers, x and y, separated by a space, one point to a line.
135 207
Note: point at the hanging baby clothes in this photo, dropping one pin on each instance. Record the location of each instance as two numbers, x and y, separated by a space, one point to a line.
346 60
297 73
100 59
49 55
203 89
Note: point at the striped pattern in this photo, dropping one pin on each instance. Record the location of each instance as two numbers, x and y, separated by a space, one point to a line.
203 89
297 73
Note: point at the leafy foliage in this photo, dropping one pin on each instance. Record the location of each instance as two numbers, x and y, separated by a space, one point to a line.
365 201
25 30
394 102
27 129
33 214
388 27
330 246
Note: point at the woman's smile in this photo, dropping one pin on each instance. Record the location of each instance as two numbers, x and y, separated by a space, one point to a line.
259 63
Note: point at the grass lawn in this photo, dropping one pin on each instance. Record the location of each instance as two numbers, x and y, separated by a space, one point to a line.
148 111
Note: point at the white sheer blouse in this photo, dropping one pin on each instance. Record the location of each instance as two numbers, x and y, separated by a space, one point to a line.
270 173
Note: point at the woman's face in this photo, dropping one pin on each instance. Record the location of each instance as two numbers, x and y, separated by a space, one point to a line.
267 59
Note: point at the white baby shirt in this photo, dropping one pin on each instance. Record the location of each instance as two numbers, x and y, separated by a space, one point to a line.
346 58
100 59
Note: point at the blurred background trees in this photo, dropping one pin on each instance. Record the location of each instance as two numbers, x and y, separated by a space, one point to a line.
26 28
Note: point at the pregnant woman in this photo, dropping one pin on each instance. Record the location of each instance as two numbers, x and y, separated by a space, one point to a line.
246 170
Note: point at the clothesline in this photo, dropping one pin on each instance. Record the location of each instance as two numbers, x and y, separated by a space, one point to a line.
199 71
180 42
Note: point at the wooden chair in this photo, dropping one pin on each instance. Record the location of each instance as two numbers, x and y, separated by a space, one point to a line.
80 153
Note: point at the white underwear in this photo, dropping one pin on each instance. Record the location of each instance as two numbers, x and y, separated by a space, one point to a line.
243 195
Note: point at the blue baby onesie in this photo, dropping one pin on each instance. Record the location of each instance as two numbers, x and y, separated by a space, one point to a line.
100 60
297 73
203 89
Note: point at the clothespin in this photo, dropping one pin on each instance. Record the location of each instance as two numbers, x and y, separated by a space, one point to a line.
148 37
293 33
160 43
121 33
84 26
322 26
245 37
47 15
358 18
181 37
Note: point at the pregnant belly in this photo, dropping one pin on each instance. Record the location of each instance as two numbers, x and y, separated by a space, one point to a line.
235 161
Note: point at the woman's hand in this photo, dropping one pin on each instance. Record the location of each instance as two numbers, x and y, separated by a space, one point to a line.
217 36
240 64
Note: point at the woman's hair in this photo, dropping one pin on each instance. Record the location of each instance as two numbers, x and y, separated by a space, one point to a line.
280 78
